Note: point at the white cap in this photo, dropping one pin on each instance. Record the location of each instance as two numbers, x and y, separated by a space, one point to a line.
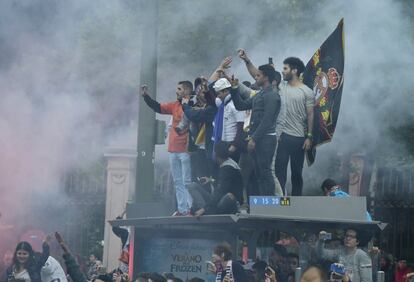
221 84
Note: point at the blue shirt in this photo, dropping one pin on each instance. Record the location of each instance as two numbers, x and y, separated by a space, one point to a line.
338 193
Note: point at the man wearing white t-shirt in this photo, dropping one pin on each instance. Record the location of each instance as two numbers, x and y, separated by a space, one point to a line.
52 271
233 119
294 125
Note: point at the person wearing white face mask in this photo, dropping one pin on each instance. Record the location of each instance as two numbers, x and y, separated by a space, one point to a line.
231 128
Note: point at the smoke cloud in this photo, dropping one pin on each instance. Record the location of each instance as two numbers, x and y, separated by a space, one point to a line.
67 77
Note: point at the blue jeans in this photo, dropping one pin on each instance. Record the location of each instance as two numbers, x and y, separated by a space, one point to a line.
181 172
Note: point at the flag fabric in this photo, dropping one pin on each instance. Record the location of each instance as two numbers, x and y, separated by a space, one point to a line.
324 74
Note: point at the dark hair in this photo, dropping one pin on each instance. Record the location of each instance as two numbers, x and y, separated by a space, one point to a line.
278 78
268 71
210 98
221 150
293 255
259 265
196 279
328 184
357 233
280 250
363 236
223 249
156 277
26 247
186 84
197 82
295 63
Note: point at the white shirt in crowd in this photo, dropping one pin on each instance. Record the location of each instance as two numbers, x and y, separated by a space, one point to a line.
24 275
52 271
230 119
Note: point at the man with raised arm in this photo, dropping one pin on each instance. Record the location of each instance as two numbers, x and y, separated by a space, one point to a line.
357 263
177 144
246 91
265 106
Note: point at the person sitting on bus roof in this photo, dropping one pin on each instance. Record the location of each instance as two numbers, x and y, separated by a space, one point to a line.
332 189
228 191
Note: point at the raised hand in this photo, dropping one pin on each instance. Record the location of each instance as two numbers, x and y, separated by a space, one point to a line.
270 275
243 55
211 267
225 64
62 243
234 81
47 239
144 90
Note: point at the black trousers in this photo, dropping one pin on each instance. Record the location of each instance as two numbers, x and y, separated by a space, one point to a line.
201 197
234 155
263 158
199 164
290 148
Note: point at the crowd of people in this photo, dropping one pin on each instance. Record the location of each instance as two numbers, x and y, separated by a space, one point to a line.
26 265
228 140
346 263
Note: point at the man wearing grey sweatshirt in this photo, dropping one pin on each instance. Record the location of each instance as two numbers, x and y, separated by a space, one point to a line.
358 264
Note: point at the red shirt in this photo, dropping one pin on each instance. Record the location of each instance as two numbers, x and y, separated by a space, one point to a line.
400 274
176 143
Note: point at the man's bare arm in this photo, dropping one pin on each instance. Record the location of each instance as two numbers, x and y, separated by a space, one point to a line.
249 65
310 114
308 141
225 64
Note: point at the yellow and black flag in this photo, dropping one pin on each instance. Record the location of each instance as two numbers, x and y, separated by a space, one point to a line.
324 74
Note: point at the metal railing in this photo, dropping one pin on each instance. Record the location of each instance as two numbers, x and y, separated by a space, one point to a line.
395 187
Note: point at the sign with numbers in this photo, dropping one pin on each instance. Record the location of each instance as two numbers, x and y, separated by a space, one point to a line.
268 201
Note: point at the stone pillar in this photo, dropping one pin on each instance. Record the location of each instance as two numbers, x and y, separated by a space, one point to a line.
356 171
120 188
